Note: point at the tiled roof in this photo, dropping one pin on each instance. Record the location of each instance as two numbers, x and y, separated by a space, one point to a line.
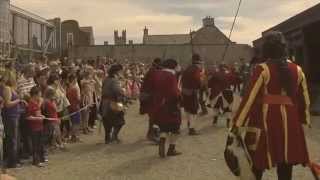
167 39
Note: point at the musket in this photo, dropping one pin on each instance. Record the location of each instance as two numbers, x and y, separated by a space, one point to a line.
191 42
164 53
231 30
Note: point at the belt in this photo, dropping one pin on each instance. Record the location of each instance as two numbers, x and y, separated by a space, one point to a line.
277 99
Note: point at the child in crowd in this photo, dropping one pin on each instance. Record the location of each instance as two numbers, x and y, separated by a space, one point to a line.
50 111
74 97
35 121
87 86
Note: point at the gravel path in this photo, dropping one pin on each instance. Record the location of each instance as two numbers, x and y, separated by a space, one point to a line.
137 159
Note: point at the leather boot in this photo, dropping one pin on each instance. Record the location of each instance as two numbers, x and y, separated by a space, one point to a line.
172 151
108 139
215 120
162 147
115 137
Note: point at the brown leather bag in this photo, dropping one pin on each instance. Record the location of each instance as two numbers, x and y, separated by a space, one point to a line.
116 106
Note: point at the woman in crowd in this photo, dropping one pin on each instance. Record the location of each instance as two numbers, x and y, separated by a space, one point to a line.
112 104
11 115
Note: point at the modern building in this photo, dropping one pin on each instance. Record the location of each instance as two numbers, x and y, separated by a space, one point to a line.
30 34
302 34
25 35
4 28
74 35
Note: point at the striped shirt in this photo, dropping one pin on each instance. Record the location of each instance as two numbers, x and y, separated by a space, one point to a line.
24 86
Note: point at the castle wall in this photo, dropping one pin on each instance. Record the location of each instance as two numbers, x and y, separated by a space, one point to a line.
182 53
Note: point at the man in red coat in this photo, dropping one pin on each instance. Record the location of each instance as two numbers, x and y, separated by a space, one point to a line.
166 111
221 93
146 95
192 80
273 111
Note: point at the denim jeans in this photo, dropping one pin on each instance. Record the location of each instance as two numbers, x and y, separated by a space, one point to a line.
38 147
11 141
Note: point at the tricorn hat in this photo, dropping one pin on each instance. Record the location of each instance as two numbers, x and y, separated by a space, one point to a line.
196 59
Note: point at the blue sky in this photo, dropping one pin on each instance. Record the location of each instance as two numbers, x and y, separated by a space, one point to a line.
168 16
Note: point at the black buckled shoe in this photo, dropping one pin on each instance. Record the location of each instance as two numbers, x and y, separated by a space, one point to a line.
193 132
172 151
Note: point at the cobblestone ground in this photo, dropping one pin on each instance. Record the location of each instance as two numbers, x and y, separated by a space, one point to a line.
137 159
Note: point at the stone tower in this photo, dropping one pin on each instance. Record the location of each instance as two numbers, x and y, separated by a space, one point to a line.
120 40
116 37
124 36
145 34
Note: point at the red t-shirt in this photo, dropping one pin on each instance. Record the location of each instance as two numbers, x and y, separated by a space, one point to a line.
50 111
73 99
34 109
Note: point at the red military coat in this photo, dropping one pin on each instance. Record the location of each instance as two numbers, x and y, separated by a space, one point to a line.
191 84
218 82
146 91
272 121
166 108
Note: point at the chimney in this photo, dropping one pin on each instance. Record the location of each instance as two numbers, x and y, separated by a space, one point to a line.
208 21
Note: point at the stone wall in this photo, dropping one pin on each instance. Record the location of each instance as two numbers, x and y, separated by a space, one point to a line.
182 53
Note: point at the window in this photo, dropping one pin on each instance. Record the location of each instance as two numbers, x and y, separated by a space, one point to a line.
69 40
44 35
36 37
21 31
51 32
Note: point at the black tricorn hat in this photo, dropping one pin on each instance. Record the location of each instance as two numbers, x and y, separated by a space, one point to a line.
196 59
114 69
170 64
157 62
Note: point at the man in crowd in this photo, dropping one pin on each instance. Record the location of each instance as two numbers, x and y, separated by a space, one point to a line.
192 79
166 110
146 98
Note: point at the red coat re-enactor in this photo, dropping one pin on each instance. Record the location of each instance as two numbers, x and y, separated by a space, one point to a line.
275 128
166 105
147 89
191 80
